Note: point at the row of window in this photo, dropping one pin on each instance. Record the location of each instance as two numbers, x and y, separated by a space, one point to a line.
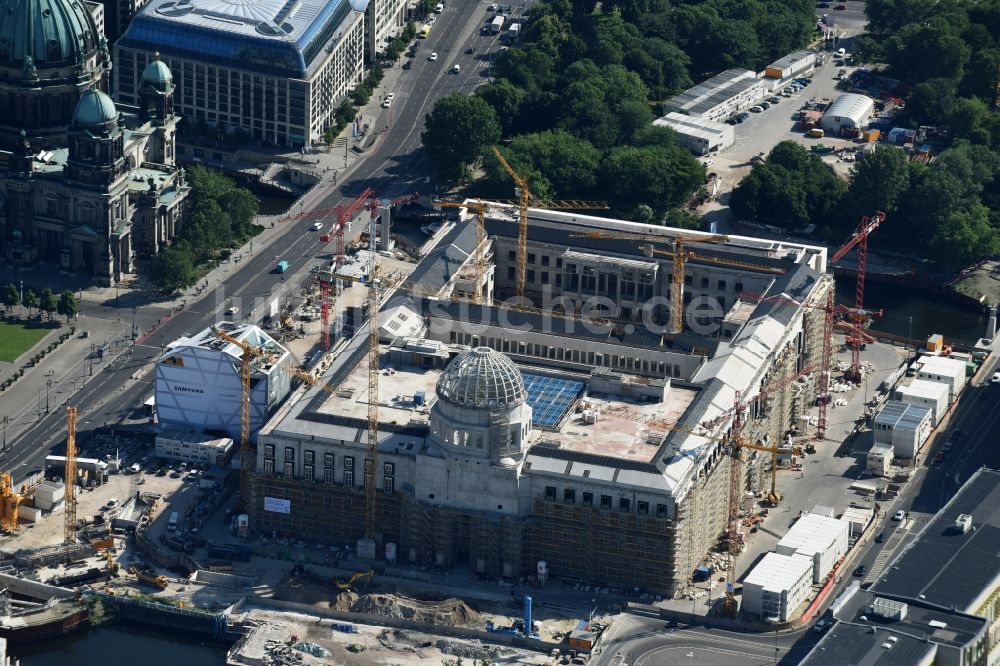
562 354
569 496
329 458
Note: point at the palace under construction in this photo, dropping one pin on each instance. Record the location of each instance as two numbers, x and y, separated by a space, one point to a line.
586 433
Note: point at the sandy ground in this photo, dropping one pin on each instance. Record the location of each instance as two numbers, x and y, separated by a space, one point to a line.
369 646
983 281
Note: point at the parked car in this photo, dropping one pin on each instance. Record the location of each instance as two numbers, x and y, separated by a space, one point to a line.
899 516
765 105
386 103
756 109
112 503
995 379
408 64
840 6
456 69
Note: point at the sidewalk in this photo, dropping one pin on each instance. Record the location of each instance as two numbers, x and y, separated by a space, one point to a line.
59 375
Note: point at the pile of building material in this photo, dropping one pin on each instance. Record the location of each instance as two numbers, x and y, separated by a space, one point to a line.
453 612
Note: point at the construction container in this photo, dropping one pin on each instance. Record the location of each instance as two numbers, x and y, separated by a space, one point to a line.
48 494
29 514
935 343
871 135
815 133
777 586
822 539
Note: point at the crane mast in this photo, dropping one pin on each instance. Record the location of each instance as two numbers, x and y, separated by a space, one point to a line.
69 537
372 379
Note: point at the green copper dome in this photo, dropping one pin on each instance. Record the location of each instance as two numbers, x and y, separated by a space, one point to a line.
45 33
157 73
94 109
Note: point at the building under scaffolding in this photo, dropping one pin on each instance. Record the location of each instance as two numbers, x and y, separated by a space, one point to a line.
508 438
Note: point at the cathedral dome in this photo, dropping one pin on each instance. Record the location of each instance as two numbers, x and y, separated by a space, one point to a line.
157 72
482 378
94 109
45 33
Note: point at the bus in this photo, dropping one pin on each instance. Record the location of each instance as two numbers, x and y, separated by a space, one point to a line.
426 30
172 524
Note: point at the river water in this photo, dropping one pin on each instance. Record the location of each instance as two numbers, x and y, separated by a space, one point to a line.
931 313
121 645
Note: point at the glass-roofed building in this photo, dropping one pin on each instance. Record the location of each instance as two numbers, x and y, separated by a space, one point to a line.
274 68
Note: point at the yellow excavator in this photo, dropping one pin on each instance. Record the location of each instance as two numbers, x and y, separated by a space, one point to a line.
367 575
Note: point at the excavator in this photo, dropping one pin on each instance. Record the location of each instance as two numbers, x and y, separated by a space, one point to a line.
367 575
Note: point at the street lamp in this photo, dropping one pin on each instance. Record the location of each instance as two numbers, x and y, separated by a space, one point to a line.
909 337
5 434
22 293
48 385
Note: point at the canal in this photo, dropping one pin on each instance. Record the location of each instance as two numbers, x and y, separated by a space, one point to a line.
931 313
121 645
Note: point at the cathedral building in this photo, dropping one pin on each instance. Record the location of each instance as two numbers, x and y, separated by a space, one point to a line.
85 186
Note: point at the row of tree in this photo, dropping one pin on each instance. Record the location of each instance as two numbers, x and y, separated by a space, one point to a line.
65 304
574 102
220 217
940 211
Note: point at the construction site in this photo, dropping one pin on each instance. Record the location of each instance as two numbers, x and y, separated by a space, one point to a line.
645 383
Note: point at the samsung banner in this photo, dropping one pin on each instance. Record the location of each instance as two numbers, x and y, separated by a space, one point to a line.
275 505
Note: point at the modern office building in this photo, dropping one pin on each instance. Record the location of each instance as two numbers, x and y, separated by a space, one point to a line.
508 437
101 190
198 381
937 601
384 19
276 69
194 448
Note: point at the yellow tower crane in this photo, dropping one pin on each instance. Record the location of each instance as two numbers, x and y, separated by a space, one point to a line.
249 353
525 200
372 453
479 261
69 536
680 257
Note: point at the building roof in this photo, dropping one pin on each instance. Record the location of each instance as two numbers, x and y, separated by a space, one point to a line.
482 378
94 108
903 415
253 335
850 105
53 33
812 533
791 59
279 37
717 90
693 126
924 388
945 567
779 572
941 366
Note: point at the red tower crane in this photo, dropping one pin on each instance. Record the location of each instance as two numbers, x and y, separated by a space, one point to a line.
342 216
858 314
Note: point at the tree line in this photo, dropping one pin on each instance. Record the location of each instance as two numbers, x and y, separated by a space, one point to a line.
220 217
64 304
948 54
574 102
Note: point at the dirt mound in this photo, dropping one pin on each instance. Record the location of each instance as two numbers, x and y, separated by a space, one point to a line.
345 600
454 612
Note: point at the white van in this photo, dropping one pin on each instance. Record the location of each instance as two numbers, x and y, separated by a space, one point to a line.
172 523
440 8
134 469
840 52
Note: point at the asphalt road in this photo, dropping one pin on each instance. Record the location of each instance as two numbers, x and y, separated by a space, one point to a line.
394 164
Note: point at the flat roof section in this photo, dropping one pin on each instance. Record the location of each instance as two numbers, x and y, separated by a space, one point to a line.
625 430
709 94
945 566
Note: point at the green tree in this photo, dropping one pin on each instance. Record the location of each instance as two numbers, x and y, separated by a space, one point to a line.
879 180
12 296
30 301
506 100
173 268
967 119
48 302
458 131
67 306
564 166
658 176
965 236
931 101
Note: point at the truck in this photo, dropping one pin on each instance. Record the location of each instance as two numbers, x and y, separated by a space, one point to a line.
148 578
172 523
497 24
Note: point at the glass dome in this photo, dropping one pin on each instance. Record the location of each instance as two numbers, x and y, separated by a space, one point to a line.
482 378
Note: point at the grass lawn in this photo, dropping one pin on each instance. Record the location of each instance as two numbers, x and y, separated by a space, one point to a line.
15 339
